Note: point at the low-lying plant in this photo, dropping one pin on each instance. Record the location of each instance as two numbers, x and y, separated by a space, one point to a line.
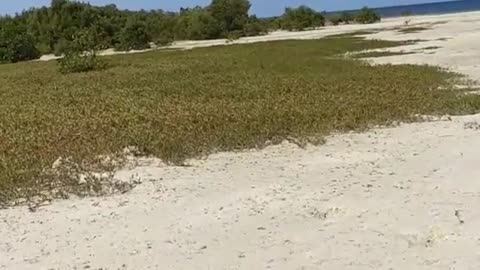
413 29
374 54
182 104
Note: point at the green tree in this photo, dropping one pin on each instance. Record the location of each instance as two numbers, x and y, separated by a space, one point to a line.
204 26
53 29
232 15
16 44
197 24
254 27
346 17
81 55
301 18
335 19
272 23
367 16
133 36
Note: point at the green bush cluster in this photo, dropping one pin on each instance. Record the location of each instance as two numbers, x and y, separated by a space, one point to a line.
16 45
364 16
52 29
73 63
301 18
367 16
344 17
80 54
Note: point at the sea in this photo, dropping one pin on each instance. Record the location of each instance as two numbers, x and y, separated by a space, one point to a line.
430 8
426 9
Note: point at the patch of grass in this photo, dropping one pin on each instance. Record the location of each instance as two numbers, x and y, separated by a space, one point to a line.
374 54
353 34
181 104
431 48
438 23
413 29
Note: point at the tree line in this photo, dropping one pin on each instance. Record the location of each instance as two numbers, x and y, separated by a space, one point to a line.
53 29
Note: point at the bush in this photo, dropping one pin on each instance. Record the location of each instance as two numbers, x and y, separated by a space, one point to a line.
254 27
234 35
273 23
164 41
80 55
61 47
74 63
335 20
367 16
346 17
16 45
231 15
52 27
301 18
43 48
202 25
133 36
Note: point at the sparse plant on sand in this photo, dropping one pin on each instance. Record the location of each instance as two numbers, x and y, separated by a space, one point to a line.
413 29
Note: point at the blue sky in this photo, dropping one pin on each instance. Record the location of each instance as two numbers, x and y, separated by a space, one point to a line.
259 7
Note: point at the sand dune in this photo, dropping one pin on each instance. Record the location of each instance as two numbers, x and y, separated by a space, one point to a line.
393 198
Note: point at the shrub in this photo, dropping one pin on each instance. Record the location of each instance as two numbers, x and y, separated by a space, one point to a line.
133 36
346 17
231 15
16 45
273 23
80 55
202 25
61 47
182 105
301 18
254 27
335 20
367 16
74 63
164 41
234 35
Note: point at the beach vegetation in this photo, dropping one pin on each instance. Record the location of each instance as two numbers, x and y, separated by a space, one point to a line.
80 55
55 128
413 29
301 18
367 16
51 30
16 45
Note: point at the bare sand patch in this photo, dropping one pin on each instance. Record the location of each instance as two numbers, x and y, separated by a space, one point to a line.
401 197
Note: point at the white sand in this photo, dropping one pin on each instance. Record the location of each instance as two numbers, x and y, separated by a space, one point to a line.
396 198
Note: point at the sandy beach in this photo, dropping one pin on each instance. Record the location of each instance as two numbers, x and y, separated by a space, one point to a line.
403 197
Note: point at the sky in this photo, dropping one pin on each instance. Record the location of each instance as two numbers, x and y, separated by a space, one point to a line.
261 8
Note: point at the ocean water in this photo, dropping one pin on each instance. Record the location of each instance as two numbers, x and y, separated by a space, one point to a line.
431 8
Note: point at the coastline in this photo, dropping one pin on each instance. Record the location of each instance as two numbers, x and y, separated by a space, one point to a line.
450 14
403 197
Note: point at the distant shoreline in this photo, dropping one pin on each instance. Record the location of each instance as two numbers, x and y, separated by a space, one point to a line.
431 15
438 8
